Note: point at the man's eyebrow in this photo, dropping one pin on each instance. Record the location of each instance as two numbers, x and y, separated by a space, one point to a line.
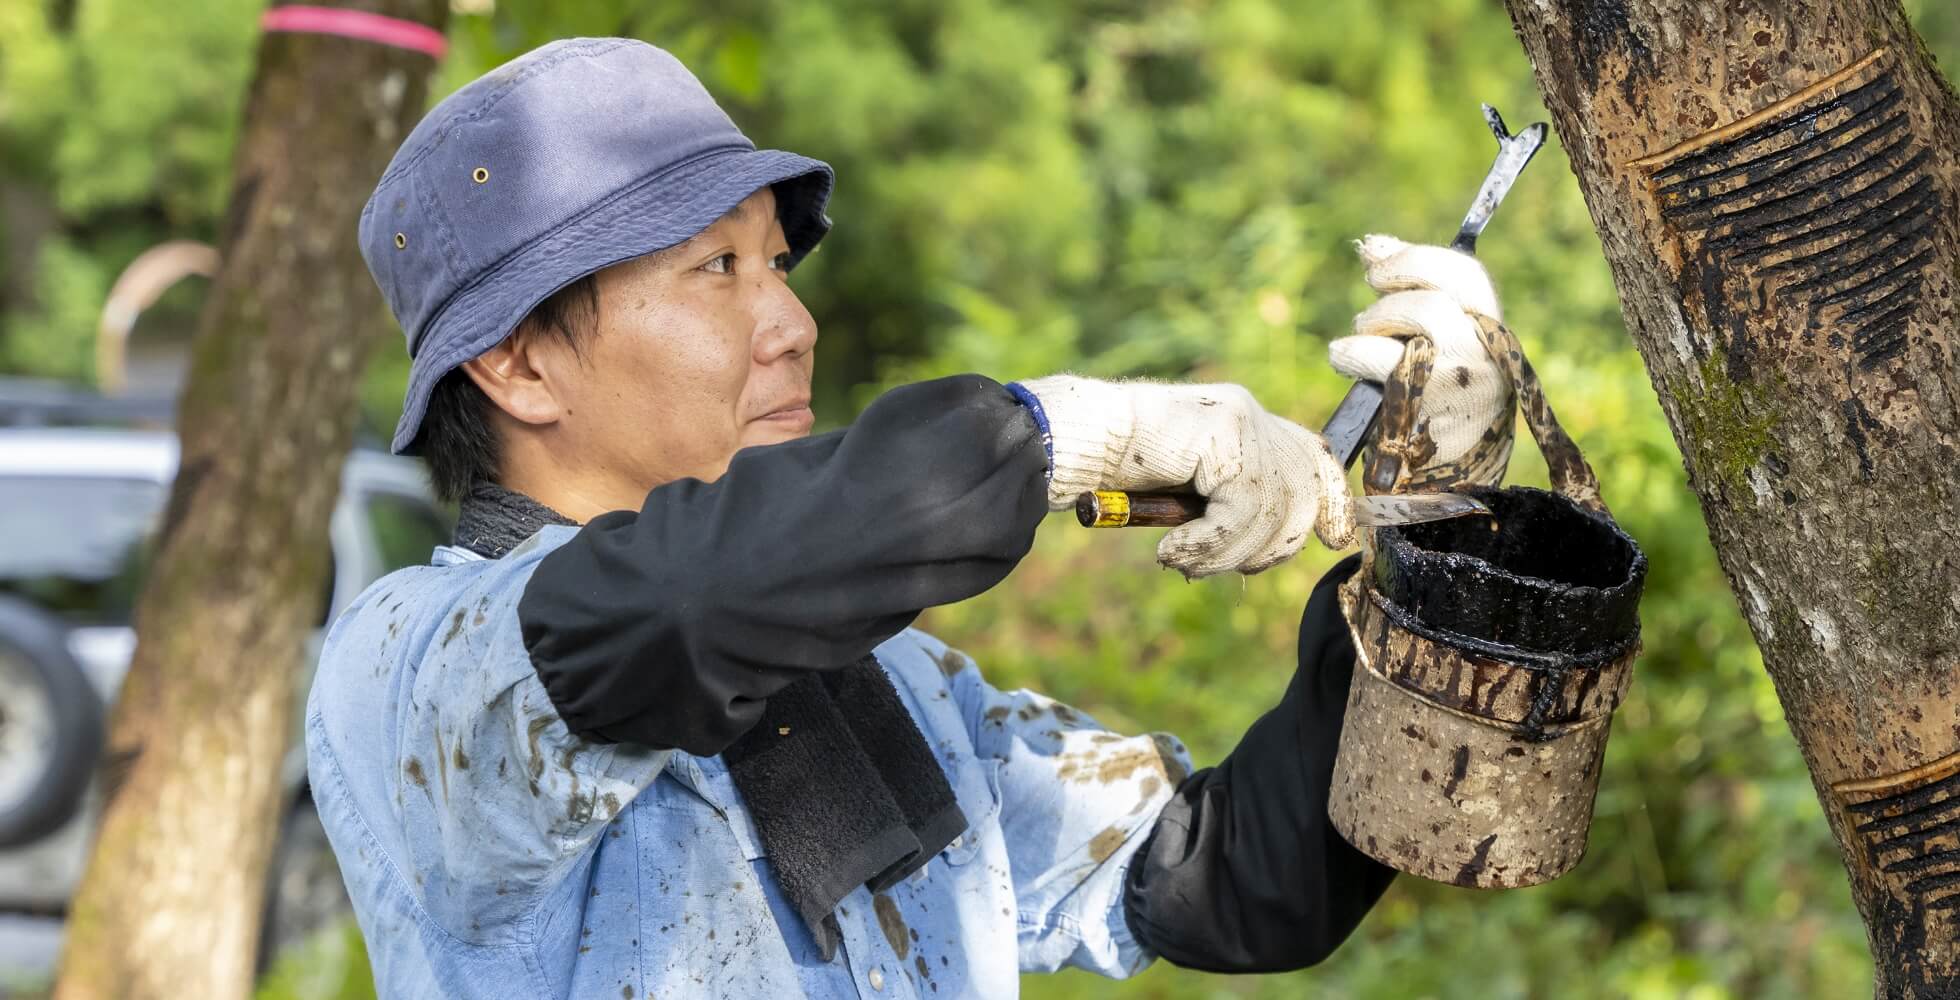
666 256
743 211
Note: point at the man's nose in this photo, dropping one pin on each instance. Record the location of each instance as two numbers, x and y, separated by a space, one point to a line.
783 326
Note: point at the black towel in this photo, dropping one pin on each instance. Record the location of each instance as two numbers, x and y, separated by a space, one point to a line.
841 784
886 733
829 822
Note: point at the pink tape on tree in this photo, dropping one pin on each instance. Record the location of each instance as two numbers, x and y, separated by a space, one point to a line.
377 28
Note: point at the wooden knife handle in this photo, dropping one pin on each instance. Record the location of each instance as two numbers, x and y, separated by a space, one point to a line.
1117 509
1345 431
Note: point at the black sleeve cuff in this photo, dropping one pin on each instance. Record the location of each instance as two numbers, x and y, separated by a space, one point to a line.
1244 872
671 625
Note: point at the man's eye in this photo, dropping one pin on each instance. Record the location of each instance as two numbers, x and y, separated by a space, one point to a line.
724 264
780 262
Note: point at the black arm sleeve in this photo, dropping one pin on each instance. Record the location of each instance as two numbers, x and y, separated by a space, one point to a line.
1243 871
669 627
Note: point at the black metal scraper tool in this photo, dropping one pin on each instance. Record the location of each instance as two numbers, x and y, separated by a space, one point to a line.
1354 419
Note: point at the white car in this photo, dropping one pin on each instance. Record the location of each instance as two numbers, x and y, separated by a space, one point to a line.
77 508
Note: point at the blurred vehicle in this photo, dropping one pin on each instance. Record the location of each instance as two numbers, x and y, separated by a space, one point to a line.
81 493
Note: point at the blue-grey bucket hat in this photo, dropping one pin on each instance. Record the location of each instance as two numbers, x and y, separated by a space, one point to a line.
571 158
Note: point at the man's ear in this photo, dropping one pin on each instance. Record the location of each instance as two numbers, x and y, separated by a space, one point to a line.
519 376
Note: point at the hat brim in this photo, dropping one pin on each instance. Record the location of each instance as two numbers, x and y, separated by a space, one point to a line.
657 213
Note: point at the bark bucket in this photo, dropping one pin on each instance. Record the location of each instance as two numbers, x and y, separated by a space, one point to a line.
1490 655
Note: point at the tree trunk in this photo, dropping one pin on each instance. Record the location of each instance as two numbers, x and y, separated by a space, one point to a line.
171 903
1774 183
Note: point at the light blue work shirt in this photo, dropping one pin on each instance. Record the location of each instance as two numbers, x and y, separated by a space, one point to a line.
491 853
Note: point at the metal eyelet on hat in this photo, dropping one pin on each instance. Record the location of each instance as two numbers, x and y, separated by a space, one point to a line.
401 241
480 174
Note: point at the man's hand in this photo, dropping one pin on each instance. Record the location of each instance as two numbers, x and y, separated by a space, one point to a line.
1467 407
1269 481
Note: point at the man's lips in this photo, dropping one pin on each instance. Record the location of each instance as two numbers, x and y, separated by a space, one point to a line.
794 413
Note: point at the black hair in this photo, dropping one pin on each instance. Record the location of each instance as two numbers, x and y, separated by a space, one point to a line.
457 439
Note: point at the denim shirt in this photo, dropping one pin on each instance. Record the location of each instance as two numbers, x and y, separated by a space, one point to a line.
491 853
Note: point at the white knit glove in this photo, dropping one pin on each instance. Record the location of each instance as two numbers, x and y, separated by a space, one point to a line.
1269 481
1466 408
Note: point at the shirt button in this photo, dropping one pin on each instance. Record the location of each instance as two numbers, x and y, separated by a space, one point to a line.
877 978
958 842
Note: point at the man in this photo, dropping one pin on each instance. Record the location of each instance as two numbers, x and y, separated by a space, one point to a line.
655 725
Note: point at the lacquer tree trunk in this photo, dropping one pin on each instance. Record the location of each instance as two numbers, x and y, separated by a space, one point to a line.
170 905
1775 185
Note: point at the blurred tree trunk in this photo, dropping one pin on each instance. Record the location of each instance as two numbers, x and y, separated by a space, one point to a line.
171 903
1775 187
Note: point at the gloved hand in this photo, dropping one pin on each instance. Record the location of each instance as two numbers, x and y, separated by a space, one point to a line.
1269 481
1467 408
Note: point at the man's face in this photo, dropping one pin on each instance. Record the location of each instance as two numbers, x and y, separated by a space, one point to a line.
700 350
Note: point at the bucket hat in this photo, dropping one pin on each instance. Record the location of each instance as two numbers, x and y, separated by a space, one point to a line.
571 158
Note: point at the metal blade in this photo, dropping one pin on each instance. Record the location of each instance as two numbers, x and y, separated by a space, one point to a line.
1513 152
1384 510
1352 421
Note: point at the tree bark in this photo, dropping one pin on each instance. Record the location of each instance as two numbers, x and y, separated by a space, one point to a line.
171 903
1774 182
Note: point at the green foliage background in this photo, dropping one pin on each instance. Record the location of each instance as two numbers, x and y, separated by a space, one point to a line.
1153 187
